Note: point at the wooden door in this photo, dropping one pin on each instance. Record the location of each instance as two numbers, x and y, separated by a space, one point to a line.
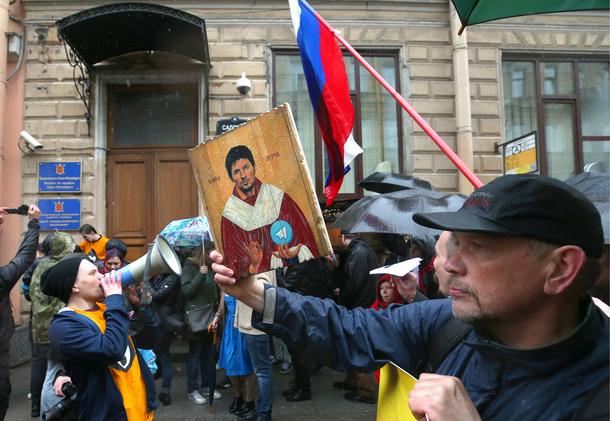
149 177
129 200
147 190
176 189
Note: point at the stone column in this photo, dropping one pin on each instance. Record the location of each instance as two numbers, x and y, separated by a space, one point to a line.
461 81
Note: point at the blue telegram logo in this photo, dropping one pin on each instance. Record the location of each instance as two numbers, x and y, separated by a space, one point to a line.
281 232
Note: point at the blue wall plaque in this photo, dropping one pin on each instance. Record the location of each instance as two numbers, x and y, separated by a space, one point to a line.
59 177
60 214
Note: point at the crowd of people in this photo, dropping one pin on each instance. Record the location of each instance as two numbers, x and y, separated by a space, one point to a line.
518 260
521 257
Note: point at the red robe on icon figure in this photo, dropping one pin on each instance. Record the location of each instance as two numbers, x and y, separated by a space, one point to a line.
246 231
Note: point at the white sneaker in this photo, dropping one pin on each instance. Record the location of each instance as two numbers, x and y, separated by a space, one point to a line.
206 392
196 397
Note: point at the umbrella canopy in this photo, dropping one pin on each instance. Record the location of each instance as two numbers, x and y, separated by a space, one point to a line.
391 213
383 182
477 11
189 232
596 186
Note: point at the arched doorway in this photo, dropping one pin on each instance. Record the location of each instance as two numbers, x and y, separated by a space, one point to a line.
150 66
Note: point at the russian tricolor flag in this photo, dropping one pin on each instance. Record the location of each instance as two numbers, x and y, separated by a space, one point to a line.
329 92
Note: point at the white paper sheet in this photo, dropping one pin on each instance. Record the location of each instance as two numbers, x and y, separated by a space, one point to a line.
398 269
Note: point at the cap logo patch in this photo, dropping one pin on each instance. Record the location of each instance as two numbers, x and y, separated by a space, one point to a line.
479 199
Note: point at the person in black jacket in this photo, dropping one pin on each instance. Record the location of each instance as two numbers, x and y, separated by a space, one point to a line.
315 278
36 374
357 288
9 275
168 302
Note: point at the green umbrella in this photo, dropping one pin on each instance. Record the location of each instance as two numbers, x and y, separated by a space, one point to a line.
477 11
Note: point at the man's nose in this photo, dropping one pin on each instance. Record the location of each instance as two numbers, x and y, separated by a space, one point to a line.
454 264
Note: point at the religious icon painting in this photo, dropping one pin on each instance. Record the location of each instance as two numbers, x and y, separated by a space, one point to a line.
258 195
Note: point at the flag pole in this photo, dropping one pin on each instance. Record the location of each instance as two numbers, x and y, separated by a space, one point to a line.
453 157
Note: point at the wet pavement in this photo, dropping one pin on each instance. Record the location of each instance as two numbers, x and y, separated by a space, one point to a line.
327 404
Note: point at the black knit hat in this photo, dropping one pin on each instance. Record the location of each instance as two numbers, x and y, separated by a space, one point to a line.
57 281
530 206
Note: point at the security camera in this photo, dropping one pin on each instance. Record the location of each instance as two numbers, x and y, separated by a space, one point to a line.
31 142
243 84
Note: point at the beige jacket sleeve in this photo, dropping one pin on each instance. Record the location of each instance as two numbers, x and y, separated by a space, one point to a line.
243 314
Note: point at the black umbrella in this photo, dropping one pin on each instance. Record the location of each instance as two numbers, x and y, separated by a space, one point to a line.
596 186
391 213
383 182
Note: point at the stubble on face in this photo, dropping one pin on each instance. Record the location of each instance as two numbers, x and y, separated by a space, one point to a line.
247 189
473 314
466 303
243 175
489 275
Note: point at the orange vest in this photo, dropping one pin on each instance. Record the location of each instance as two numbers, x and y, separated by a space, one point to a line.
129 382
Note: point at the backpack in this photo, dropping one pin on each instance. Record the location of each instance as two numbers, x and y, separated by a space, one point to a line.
442 343
594 406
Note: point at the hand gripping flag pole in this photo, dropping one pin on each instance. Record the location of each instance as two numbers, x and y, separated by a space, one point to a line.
453 157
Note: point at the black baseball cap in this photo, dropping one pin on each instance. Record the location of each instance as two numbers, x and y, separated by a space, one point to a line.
526 205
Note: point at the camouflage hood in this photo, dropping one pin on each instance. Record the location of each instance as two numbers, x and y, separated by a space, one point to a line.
45 307
61 244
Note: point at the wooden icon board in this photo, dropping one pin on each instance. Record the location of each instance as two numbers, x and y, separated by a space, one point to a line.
263 214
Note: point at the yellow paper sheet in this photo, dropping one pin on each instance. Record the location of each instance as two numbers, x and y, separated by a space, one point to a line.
395 385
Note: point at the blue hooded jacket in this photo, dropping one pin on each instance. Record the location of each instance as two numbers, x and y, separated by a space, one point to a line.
547 383
86 355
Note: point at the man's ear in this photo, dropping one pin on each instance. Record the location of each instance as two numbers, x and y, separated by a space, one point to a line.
563 266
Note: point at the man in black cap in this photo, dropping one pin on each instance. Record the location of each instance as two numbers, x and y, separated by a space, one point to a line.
525 252
91 338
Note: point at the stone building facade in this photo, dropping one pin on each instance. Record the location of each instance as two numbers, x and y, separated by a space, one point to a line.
243 36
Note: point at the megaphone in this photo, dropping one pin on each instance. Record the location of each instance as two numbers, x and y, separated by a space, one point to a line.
163 259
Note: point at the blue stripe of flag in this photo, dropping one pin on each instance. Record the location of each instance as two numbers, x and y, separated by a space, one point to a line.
310 55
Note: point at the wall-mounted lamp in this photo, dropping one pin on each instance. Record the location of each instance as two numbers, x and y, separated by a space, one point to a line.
14 46
243 84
